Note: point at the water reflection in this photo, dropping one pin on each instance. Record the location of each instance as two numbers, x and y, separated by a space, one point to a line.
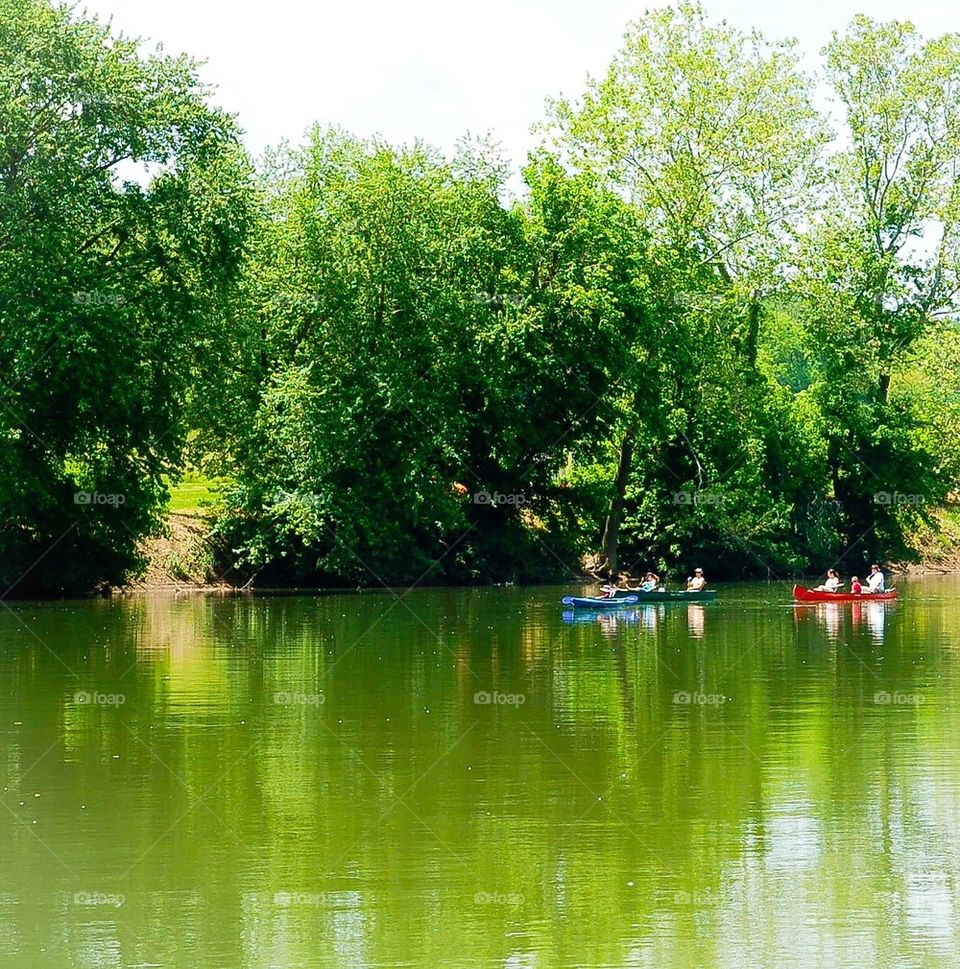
480 781
608 618
649 616
696 620
829 613
839 620
876 614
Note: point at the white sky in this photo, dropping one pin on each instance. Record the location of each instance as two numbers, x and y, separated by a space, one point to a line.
436 69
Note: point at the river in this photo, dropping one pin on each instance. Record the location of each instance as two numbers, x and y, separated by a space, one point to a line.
475 778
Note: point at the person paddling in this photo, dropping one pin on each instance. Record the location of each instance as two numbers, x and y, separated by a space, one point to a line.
832 583
875 581
696 582
610 590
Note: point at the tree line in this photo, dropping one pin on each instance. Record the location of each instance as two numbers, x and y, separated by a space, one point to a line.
717 323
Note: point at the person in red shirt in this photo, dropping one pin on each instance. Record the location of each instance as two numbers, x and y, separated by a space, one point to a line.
855 586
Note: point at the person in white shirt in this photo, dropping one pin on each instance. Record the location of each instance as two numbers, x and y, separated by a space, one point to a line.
875 580
697 582
610 590
832 583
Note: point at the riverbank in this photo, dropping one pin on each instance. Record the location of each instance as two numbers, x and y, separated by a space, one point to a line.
183 559
188 558
938 549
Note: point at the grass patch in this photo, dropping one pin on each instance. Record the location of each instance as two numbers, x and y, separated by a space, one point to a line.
194 494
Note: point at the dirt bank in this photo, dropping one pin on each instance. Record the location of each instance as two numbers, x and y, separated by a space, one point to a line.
184 558
938 549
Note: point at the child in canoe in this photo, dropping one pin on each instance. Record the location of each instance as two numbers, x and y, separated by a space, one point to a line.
855 586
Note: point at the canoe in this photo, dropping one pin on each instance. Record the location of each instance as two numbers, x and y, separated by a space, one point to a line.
624 598
703 595
588 602
811 595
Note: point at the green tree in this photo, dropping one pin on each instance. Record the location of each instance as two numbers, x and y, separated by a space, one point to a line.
124 205
712 135
425 346
879 273
367 283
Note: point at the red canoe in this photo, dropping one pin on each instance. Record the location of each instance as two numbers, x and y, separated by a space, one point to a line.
810 595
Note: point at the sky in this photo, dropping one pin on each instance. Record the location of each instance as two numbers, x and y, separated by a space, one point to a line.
436 69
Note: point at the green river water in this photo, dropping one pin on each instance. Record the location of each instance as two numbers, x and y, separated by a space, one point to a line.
470 778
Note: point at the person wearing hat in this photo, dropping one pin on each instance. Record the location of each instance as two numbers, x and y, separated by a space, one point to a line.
649 584
875 581
697 582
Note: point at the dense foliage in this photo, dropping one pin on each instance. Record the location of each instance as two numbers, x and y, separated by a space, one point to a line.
705 329
124 203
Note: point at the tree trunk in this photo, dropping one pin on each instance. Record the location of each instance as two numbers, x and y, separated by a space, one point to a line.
839 491
611 530
884 387
753 334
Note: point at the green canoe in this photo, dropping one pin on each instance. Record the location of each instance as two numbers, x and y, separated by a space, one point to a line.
704 595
